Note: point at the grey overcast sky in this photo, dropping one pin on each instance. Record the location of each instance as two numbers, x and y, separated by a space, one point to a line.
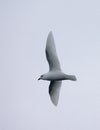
24 101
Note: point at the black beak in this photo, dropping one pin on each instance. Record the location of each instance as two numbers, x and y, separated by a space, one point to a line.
39 78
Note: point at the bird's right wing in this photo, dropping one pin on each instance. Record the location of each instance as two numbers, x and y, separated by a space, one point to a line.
54 91
51 54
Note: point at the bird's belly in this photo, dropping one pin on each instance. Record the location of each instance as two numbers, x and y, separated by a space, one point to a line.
56 76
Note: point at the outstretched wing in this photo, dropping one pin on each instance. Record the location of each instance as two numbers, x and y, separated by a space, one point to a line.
51 54
54 91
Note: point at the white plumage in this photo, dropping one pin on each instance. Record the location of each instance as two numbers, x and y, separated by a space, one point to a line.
55 75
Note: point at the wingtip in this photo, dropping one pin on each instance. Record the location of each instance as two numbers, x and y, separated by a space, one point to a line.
50 36
55 103
50 33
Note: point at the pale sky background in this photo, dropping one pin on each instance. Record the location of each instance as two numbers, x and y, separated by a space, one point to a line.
24 101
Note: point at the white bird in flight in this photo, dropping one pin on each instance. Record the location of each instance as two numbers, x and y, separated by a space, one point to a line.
55 74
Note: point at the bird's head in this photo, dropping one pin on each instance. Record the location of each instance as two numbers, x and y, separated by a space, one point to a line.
41 77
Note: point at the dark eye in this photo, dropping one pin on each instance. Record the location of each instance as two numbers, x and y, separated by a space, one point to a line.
41 75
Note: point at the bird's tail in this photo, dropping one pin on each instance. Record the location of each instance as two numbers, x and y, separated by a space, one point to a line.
72 77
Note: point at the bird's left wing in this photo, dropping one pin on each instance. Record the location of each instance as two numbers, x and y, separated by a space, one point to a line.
51 54
54 91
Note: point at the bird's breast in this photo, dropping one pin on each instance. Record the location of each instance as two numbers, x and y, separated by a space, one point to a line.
55 76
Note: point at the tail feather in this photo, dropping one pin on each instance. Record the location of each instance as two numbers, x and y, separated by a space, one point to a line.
72 77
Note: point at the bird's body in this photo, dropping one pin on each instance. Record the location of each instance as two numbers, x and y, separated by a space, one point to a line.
55 74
